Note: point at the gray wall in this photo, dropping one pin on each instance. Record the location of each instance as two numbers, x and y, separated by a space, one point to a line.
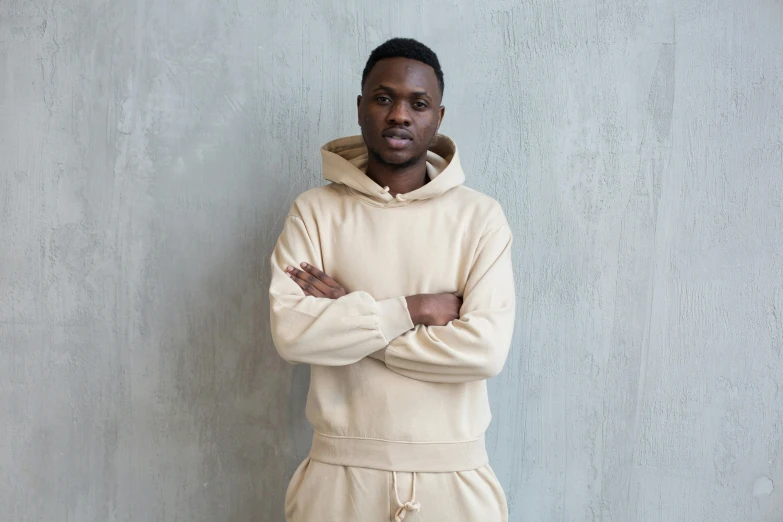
149 149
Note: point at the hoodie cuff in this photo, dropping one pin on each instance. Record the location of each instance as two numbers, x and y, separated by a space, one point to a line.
394 318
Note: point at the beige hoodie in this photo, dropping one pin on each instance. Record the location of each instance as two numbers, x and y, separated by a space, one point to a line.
386 394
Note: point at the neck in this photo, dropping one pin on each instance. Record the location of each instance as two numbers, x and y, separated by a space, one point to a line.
400 180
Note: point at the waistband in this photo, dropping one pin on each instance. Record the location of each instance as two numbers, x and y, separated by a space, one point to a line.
424 457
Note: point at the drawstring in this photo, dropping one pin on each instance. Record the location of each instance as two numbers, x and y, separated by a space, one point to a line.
411 505
398 197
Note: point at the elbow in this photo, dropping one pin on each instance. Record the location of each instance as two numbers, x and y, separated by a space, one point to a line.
491 368
288 349
495 361
498 354
288 356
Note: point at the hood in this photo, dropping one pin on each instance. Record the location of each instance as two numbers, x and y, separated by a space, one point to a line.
345 162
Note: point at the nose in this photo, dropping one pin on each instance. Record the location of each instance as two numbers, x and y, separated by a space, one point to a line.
398 114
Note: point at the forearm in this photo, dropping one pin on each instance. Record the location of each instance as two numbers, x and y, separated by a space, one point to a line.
472 348
334 332
474 344
319 330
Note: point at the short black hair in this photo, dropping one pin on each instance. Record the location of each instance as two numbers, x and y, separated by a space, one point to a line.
404 48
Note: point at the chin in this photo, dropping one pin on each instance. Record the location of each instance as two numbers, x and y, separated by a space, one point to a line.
393 158
396 159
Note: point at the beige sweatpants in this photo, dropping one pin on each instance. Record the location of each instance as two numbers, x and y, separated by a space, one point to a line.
321 492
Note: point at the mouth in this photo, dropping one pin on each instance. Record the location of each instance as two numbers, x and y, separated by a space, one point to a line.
398 143
398 139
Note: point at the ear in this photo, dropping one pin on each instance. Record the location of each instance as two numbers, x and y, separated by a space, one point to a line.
441 115
359 109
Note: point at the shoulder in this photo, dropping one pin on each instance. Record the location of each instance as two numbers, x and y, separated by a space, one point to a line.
482 208
308 203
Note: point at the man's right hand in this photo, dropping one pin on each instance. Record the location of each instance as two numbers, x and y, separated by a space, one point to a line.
434 309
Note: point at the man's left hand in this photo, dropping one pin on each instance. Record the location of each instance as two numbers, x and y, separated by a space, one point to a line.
315 283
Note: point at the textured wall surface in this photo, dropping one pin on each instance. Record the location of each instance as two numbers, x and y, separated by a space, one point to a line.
150 148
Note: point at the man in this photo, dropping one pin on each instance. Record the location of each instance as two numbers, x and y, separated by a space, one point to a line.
416 312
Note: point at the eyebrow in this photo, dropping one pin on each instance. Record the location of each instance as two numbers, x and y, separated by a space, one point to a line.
419 94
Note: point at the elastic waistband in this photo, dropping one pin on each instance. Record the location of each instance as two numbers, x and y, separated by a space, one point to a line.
424 457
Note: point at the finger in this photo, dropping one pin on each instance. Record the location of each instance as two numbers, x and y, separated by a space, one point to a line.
308 283
314 281
291 272
325 284
315 272
307 287
302 286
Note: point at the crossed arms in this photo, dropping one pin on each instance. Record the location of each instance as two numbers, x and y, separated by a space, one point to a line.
429 337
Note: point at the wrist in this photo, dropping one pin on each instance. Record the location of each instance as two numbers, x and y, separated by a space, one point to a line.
415 308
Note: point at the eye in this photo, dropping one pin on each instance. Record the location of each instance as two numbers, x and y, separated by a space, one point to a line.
419 105
383 99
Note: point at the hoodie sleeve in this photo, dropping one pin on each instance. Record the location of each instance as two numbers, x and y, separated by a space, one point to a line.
475 346
326 332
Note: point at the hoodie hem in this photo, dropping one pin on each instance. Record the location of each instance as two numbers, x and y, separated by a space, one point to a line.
416 457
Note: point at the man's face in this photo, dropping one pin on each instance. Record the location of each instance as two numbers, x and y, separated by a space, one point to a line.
399 110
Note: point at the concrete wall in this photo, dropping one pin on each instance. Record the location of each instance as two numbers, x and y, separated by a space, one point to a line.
149 149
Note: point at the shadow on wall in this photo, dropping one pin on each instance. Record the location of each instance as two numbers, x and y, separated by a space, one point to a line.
234 427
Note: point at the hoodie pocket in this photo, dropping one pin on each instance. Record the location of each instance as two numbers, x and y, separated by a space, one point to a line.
294 487
500 496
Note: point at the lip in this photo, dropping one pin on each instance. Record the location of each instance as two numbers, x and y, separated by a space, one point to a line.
397 133
397 143
398 139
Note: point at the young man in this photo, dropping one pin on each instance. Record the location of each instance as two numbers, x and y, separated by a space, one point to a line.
416 312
